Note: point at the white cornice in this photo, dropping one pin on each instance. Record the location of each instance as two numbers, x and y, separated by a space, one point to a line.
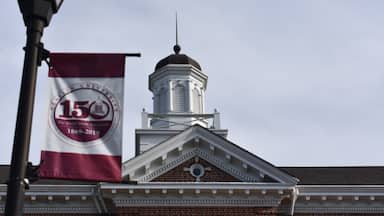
197 194
175 131
361 199
121 202
199 185
340 190
165 168
177 69
358 199
57 190
227 167
69 209
51 199
248 158
351 209
30 209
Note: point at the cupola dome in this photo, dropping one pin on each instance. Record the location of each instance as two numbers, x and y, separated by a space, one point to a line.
177 58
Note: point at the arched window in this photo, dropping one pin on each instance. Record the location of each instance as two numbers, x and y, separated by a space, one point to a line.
196 101
179 99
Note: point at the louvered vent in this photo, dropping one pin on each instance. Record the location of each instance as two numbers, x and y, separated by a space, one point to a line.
179 99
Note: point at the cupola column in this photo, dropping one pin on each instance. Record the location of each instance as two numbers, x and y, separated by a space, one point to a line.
202 100
189 96
170 97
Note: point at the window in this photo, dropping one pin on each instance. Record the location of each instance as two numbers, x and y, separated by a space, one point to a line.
197 170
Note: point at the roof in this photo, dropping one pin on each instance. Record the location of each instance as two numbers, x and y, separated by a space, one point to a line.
357 175
352 175
177 58
4 175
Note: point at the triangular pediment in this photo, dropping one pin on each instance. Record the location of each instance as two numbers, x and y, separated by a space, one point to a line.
196 170
198 143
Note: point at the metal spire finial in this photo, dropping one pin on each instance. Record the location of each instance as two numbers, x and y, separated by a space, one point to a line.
177 33
177 47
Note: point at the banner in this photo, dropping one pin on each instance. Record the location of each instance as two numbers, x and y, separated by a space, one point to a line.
84 136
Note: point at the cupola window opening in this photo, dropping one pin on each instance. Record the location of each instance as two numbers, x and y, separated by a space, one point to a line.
179 98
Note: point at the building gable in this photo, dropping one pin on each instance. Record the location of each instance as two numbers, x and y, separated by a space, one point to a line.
199 142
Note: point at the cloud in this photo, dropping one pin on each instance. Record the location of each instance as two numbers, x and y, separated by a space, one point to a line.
297 82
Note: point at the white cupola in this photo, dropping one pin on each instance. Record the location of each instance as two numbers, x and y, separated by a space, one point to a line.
178 87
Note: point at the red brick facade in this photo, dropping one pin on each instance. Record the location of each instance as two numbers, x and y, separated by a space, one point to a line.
178 174
201 211
197 211
340 214
74 214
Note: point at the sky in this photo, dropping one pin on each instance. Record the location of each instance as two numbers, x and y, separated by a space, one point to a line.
298 83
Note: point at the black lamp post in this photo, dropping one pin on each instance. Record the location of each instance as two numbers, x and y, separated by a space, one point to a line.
36 14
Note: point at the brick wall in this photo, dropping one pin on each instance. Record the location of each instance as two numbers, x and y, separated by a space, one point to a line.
196 211
179 175
338 214
56 214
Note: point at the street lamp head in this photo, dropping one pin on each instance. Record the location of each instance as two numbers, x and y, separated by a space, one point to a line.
56 5
39 9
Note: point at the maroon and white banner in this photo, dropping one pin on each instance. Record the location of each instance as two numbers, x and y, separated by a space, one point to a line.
84 134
